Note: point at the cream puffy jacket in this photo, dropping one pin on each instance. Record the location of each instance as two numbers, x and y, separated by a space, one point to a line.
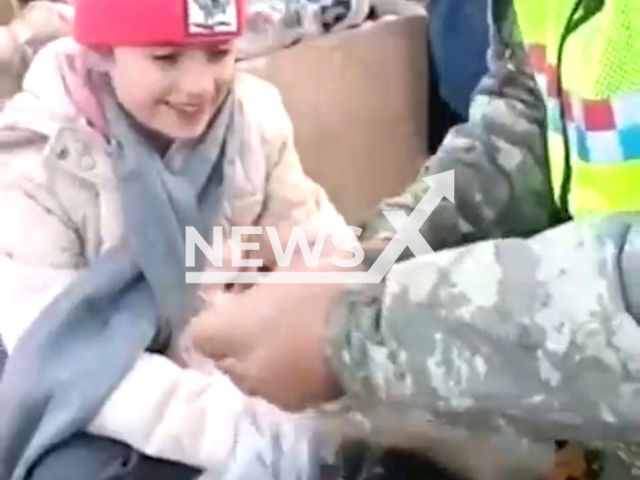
59 209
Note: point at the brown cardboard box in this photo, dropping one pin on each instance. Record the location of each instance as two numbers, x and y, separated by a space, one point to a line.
358 104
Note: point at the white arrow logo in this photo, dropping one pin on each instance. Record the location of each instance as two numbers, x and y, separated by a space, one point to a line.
408 228
407 235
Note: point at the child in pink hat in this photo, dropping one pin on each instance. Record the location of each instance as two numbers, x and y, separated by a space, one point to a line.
125 136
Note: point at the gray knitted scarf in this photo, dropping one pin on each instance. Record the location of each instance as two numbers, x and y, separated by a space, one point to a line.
131 299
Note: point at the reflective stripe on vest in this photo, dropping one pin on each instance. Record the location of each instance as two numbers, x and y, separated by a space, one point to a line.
601 98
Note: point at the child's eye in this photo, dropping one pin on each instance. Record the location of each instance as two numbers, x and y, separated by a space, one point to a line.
167 58
218 54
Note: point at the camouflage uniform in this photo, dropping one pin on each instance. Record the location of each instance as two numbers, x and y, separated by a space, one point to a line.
535 334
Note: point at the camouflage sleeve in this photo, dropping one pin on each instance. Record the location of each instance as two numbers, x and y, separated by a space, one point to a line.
536 337
502 180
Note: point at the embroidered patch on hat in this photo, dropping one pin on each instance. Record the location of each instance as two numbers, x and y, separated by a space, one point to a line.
209 17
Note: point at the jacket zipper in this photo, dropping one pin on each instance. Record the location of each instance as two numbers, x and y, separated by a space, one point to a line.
581 13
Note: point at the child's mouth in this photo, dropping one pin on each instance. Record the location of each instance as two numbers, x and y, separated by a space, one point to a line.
190 110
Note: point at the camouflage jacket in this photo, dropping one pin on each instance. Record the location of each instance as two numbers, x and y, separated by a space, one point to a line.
517 324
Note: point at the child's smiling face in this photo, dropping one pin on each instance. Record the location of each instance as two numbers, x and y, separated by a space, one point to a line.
172 90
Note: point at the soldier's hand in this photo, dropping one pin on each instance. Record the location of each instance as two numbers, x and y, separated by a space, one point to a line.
270 340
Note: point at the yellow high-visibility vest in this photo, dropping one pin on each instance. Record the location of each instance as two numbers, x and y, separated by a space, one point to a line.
597 123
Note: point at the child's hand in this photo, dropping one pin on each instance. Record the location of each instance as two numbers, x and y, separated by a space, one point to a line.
297 242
